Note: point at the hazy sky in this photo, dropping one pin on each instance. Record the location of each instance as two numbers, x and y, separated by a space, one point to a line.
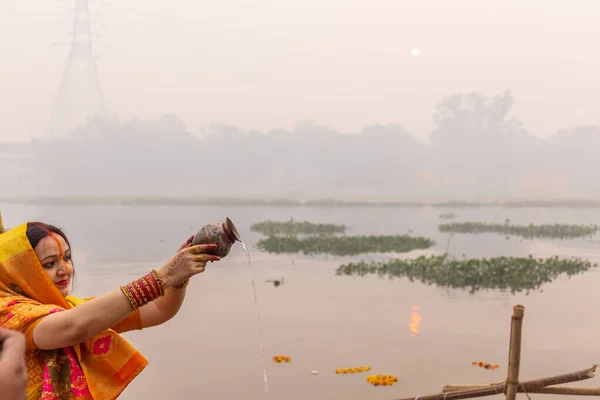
267 63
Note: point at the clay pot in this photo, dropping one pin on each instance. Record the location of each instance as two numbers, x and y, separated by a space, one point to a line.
224 235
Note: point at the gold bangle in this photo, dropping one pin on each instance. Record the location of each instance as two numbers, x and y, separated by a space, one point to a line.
161 285
182 285
127 292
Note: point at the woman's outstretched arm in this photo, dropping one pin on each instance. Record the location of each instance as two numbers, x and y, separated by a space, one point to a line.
78 324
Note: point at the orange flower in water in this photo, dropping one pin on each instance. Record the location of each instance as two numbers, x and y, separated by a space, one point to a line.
280 359
485 365
382 380
352 370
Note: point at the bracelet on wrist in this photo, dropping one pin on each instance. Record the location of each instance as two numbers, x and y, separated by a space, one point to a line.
159 282
144 290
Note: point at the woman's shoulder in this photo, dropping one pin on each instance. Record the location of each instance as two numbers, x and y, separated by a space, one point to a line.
19 309
10 305
8 301
22 314
11 301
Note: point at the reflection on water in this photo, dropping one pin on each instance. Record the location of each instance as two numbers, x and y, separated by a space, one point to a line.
415 321
210 349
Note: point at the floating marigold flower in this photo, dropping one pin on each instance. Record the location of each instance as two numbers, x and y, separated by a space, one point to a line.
280 359
485 365
352 370
382 380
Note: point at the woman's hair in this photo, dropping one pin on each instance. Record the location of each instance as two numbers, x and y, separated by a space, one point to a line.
36 231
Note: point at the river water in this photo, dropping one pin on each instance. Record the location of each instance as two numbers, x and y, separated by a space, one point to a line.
210 350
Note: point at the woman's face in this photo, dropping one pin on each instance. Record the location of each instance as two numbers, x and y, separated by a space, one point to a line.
55 256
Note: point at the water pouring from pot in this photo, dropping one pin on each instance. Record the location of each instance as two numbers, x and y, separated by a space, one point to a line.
224 235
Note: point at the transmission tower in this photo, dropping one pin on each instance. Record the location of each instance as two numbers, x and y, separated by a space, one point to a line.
79 95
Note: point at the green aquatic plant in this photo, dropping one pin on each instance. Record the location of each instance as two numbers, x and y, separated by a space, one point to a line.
293 228
554 231
516 274
343 245
311 239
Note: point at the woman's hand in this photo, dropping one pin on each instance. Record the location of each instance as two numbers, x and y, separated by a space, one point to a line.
163 309
187 243
187 262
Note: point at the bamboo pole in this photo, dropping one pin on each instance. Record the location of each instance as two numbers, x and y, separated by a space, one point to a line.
514 352
570 390
468 386
527 386
565 390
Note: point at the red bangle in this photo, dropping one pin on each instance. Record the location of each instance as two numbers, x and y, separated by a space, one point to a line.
144 290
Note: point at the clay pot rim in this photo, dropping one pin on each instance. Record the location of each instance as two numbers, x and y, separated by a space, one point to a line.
230 230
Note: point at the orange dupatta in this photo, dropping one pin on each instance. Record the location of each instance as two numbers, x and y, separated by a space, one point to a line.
99 369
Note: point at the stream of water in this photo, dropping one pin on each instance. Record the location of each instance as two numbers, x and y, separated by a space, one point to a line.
258 323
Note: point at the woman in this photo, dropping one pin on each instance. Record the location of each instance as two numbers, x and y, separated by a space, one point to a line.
73 346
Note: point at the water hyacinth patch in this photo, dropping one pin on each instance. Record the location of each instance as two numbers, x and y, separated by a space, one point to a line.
516 274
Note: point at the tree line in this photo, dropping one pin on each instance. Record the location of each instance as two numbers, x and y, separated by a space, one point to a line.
478 148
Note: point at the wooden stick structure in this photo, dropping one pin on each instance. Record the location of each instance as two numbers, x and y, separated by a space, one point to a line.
570 390
514 352
513 385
